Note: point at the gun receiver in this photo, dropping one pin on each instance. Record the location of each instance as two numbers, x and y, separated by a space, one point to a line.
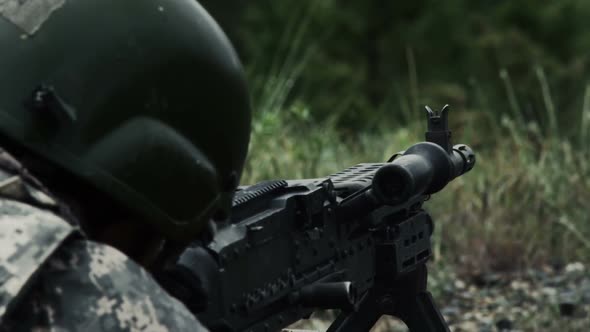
356 241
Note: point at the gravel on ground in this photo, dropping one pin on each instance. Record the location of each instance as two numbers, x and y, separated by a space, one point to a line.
541 299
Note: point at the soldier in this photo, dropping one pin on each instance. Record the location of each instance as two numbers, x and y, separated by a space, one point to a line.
124 127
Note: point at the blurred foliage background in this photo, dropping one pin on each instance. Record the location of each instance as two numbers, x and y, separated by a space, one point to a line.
362 60
338 82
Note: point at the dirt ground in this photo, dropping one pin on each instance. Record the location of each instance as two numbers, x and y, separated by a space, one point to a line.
543 299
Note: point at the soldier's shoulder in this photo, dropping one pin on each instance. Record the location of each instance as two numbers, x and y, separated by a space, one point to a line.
28 237
51 279
87 286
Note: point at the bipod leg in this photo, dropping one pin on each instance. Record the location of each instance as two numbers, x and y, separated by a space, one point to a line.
361 320
415 306
404 298
421 314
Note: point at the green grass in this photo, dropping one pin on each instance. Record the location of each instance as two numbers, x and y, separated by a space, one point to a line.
525 203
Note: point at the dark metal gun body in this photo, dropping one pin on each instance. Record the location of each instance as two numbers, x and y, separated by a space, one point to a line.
356 241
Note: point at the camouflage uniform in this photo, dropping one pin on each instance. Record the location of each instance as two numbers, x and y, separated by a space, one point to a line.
52 279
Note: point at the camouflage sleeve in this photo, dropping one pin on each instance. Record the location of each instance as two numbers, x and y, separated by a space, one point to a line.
87 286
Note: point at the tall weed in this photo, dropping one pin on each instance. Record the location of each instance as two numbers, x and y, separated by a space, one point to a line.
524 203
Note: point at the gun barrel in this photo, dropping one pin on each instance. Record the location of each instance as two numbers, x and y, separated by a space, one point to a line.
425 168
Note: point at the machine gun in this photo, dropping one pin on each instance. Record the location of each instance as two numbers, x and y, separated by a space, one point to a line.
356 241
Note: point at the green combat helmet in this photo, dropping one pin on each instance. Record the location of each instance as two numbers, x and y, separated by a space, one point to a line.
145 100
